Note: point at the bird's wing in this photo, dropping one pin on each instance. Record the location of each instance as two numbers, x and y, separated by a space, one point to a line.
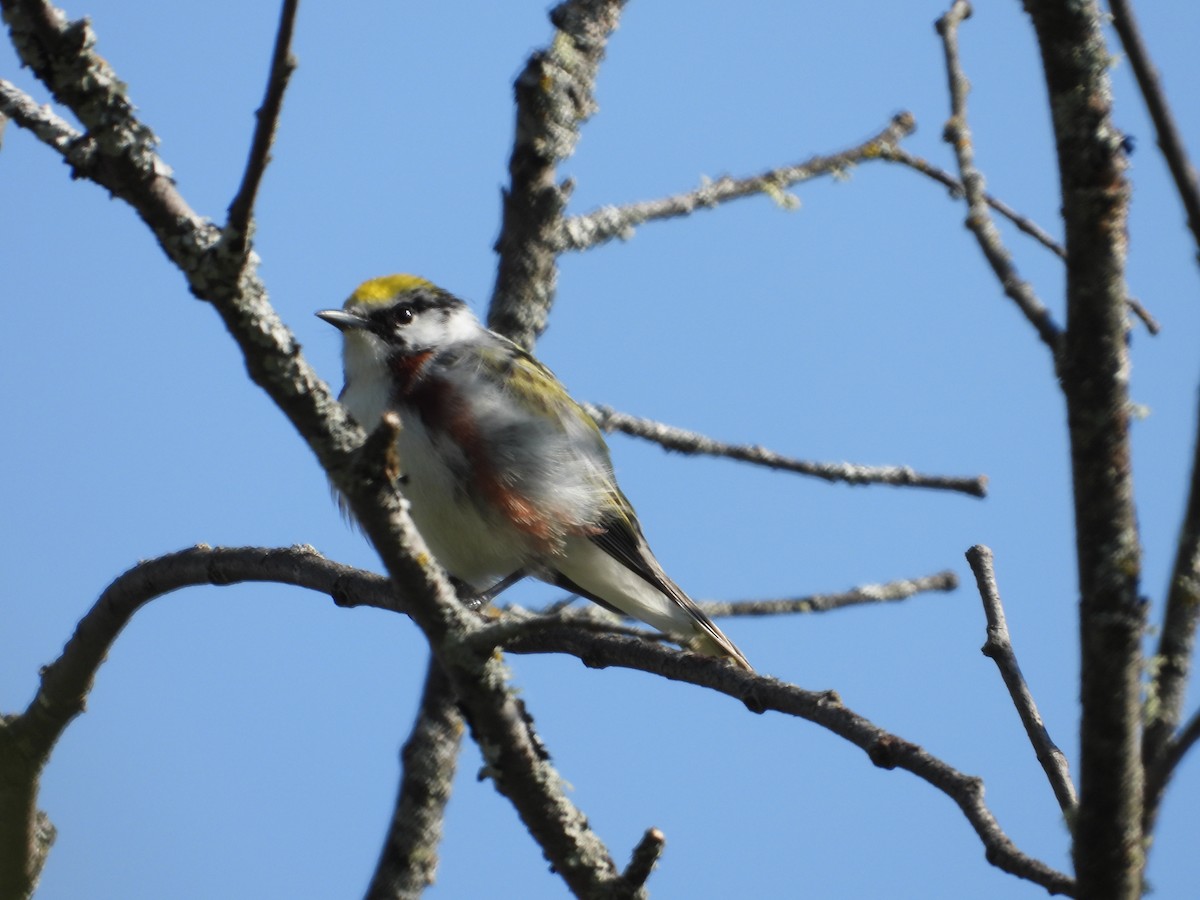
620 536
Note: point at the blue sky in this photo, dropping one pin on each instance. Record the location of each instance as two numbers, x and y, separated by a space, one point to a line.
243 741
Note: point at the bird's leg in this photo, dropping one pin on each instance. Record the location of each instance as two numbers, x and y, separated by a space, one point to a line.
479 599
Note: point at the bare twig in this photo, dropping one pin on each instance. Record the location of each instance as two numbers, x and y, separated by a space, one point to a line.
645 857
1170 141
895 153
1172 663
898 154
1161 768
1144 315
999 648
760 693
602 225
690 442
282 65
890 592
408 863
554 96
979 221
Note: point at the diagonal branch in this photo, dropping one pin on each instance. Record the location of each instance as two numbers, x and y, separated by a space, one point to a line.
1023 223
41 121
1161 768
408 863
690 442
554 96
958 134
282 65
1170 141
62 55
760 693
999 648
602 225
899 155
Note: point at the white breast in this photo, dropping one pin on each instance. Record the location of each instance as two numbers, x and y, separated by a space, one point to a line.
470 546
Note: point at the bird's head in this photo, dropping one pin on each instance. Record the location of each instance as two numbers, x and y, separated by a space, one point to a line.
399 315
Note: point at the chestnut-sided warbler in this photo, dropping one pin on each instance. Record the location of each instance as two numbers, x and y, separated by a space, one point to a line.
507 476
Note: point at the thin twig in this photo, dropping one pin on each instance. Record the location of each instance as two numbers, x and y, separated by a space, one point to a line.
644 858
554 95
890 592
1170 141
760 693
1023 223
979 221
689 442
895 153
1172 664
1143 314
602 225
408 863
1162 767
282 65
1000 650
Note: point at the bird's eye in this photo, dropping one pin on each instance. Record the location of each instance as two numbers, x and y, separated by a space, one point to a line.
403 314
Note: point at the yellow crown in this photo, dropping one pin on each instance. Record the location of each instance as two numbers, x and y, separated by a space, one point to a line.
386 289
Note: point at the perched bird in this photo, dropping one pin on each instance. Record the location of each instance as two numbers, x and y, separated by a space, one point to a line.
507 476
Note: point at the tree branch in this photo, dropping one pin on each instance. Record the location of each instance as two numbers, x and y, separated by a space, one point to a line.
760 693
1162 767
689 442
645 857
61 54
554 96
890 592
999 649
602 225
1170 141
282 65
408 862
898 154
1093 370
41 121
1171 666
958 134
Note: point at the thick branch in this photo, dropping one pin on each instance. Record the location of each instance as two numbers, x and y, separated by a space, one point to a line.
1170 141
979 220
602 225
999 648
1093 369
223 273
408 863
554 95
690 442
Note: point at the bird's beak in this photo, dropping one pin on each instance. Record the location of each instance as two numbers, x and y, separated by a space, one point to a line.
342 320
